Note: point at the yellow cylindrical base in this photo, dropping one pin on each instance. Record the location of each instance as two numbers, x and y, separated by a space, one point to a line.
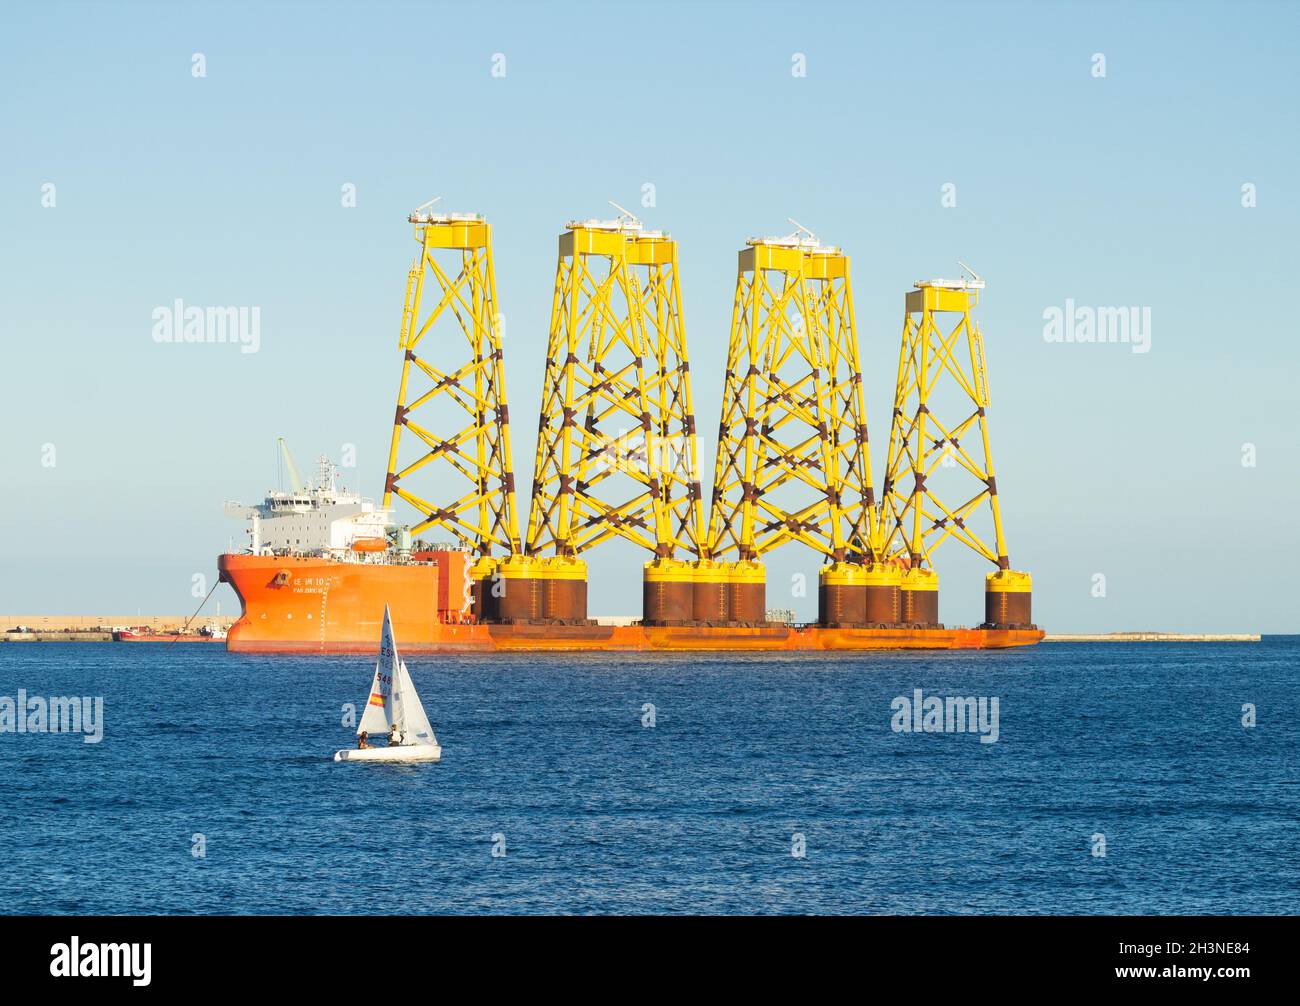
536 589
729 592
1008 600
842 595
884 588
520 595
564 590
484 603
668 592
919 596
747 592
710 593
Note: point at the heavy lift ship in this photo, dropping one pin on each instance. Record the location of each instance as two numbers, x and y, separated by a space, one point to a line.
616 457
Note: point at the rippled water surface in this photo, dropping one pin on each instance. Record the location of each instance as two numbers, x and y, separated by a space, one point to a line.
1140 743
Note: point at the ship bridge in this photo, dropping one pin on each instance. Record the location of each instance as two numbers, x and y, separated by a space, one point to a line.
316 519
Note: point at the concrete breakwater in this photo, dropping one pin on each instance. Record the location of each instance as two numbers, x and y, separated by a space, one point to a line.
1151 637
57 637
98 628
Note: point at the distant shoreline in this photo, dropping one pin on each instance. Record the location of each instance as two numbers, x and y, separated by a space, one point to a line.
99 628
1152 637
88 628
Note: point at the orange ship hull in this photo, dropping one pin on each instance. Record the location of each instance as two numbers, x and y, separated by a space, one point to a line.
301 605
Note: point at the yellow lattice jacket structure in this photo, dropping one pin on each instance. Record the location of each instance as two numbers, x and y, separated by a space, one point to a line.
452 373
616 454
942 357
793 461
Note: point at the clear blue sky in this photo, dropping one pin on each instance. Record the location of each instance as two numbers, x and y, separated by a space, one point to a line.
1115 191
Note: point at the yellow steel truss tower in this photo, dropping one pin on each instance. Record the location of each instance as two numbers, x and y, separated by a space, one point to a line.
792 407
674 470
668 580
595 422
616 438
942 358
831 291
451 290
793 461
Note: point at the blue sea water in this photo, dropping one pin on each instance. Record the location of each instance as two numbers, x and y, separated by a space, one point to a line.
1141 743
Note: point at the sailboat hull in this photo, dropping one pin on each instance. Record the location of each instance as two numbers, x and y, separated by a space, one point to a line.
399 753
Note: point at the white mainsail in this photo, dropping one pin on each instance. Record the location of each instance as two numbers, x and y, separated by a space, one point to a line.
393 700
378 717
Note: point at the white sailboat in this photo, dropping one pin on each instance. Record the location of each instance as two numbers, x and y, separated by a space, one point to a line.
393 703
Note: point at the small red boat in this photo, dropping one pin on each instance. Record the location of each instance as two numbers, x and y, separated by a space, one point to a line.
139 634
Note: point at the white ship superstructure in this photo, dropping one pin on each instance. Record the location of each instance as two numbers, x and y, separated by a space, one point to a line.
316 519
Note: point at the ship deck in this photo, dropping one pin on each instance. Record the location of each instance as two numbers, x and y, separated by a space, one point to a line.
639 639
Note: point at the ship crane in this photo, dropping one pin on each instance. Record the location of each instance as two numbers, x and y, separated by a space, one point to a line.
295 481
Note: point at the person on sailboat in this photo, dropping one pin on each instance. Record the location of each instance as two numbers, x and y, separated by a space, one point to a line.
394 736
363 739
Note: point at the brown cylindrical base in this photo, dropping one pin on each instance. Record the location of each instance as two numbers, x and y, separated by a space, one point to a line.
884 604
563 600
919 607
747 602
1006 608
521 599
667 602
709 601
485 606
842 604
